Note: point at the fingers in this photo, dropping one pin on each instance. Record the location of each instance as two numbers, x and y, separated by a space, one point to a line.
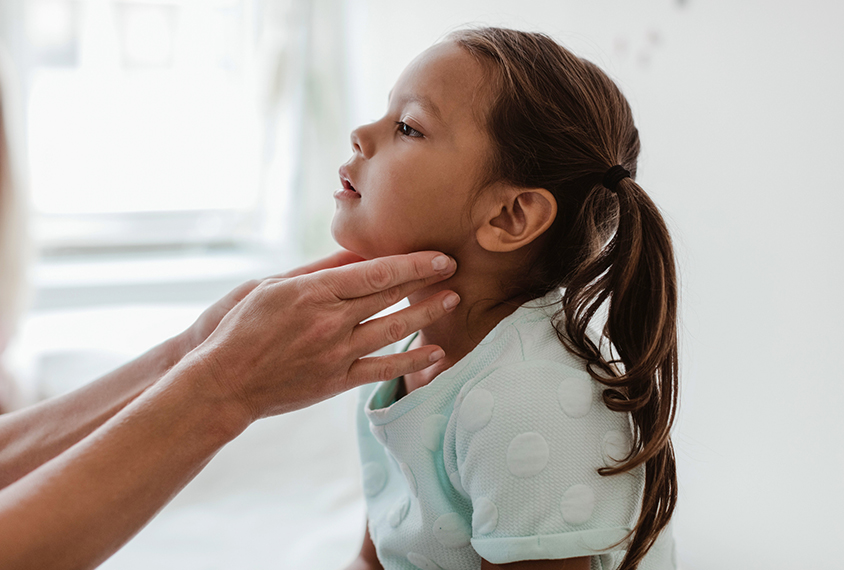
336 259
378 333
380 368
369 277
364 307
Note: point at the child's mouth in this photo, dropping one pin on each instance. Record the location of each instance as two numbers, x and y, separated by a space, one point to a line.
348 191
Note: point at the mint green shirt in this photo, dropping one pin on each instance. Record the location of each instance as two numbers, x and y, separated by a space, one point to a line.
497 458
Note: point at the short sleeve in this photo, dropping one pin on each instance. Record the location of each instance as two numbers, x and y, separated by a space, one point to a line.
528 439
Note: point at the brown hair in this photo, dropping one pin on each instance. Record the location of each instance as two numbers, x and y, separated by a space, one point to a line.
558 122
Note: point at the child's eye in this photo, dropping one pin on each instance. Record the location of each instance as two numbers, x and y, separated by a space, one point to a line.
407 130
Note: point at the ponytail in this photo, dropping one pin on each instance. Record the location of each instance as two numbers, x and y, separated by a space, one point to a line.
558 122
635 276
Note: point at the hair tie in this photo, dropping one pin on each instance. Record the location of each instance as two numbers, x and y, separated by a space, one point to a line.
615 175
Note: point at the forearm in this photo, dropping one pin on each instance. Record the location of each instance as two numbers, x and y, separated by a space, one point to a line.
33 436
79 508
106 468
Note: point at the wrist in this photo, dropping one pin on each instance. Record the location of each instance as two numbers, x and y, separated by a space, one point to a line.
149 368
194 376
177 347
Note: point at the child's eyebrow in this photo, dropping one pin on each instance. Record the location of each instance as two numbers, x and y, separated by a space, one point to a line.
425 102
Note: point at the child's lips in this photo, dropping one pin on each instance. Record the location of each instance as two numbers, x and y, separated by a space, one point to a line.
348 191
347 185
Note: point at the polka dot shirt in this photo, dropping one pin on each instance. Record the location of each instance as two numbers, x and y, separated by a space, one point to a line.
497 458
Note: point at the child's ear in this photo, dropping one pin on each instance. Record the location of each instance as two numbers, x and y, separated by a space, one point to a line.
517 219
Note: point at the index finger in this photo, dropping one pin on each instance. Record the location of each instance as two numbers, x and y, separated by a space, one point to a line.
369 277
337 259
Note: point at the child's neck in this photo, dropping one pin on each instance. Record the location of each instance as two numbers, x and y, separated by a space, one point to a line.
482 306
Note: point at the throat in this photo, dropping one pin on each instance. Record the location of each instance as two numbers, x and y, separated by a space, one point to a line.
484 284
457 334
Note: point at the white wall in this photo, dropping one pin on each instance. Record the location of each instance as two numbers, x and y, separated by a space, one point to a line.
739 108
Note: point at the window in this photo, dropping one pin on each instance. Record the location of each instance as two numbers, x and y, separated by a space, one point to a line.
143 123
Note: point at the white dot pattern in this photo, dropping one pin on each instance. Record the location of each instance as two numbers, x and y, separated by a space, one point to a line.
527 454
578 504
457 484
411 479
616 446
499 455
399 511
458 401
476 410
484 516
452 531
374 478
433 429
422 562
575 396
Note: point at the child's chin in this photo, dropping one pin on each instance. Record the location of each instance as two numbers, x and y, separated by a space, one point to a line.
352 245
365 248
366 252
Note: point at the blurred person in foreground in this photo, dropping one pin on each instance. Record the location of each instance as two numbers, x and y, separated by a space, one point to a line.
13 244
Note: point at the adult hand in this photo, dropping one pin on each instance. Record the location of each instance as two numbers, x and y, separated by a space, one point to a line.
211 317
276 346
293 341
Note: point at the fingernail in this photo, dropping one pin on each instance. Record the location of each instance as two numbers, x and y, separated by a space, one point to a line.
451 301
440 263
436 355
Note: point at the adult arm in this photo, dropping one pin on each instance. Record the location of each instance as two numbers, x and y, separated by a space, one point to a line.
287 344
34 435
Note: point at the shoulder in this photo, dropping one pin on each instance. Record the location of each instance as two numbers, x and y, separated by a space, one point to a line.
535 410
525 338
526 445
526 395
524 374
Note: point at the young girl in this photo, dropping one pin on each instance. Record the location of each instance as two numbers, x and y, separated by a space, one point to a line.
535 443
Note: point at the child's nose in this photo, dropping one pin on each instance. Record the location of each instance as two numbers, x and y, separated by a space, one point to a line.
362 141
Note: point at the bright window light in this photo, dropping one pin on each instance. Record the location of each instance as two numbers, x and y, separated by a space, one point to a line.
142 122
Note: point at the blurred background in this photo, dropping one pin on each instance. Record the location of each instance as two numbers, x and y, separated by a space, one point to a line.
163 151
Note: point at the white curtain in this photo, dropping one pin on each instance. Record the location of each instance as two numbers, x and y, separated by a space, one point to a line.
301 84
303 43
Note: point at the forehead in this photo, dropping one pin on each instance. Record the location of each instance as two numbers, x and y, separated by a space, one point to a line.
446 79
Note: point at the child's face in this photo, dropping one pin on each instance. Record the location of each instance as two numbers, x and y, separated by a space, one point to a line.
409 182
